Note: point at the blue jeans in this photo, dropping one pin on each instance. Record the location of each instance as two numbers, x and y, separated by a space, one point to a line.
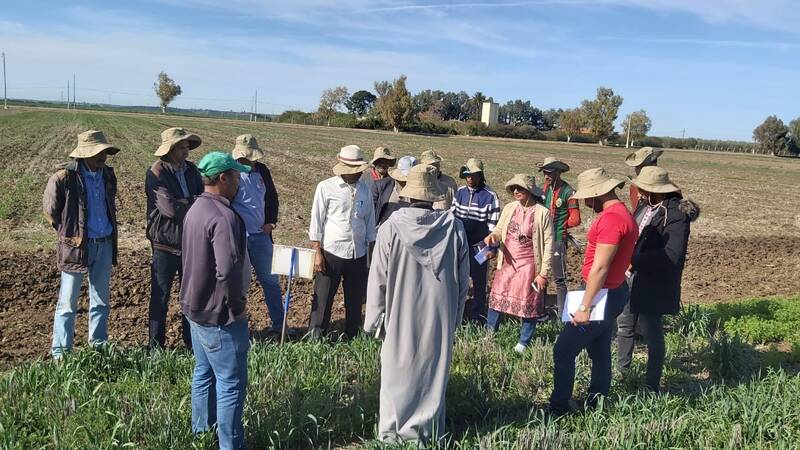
219 382
494 318
259 248
99 258
596 339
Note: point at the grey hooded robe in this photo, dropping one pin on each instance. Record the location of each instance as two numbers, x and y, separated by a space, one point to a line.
417 287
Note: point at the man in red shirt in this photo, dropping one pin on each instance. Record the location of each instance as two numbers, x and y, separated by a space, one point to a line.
611 240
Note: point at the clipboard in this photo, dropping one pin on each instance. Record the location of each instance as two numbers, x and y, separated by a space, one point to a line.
574 299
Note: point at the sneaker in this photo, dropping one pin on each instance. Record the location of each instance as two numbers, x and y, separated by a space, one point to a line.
519 348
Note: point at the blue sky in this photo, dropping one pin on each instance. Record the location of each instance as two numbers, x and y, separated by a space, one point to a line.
716 68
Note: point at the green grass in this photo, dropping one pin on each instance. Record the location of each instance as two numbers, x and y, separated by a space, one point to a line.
721 393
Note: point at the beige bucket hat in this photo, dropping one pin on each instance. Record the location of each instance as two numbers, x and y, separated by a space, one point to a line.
351 161
91 143
430 157
645 155
422 183
596 182
383 153
552 164
172 136
526 182
473 166
247 147
655 179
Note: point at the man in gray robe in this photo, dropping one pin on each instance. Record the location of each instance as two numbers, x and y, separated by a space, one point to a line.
415 298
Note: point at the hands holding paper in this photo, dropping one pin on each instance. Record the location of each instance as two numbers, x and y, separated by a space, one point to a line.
492 241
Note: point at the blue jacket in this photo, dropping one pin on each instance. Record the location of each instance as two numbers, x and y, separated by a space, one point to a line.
478 209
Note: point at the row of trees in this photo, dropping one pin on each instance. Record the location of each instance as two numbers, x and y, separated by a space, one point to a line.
776 138
393 106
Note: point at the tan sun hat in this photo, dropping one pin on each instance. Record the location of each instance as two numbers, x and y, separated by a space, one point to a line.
430 157
655 179
247 147
172 136
473 166
551 164
595 182
383 153
526 182
422 183
351 161
91 143
645 155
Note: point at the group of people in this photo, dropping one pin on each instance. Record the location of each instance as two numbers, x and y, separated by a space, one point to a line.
400 236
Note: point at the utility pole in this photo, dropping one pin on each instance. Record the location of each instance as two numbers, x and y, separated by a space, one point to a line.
67 94
628 134
74 88
5 92
683 134
255 107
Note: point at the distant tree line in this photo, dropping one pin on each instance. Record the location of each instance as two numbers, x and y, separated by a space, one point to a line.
391 106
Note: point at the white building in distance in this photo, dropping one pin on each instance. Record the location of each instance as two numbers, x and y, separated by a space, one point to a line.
489 113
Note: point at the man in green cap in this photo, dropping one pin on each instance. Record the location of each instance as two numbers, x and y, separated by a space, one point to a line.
213 299
566 213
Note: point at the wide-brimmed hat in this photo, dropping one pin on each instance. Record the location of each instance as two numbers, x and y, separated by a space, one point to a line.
247 147
430 157
404 165
655 179
526 182
383 153
551 164
91 143
422 183
473 166
351 161
645 155
595 182
172 136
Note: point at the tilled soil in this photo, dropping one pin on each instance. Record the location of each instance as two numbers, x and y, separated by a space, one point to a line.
716 269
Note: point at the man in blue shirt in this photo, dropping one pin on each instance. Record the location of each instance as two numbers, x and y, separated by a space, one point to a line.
78 203
479 210
256 203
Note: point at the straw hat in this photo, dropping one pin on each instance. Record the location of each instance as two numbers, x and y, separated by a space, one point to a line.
383 153
404 165
551 164
351 161
247 147
655 179
91 143
423 184
473 166
430 157
645 155
526 182
172 136
595 182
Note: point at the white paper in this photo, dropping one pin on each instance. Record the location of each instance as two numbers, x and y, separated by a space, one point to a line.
574 300
483 255
282 261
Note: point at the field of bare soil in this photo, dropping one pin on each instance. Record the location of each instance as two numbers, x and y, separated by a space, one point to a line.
745 244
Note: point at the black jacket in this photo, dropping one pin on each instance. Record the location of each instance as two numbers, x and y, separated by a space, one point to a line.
166 205
659 256
271 197
381 193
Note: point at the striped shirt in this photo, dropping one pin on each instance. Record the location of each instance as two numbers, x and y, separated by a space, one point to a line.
478 209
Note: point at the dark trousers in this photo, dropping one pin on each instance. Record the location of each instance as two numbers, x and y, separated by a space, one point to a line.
353 275
652 328
163 270
476 309
595 337
559 266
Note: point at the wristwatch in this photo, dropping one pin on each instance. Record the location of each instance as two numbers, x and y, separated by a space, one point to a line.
583 308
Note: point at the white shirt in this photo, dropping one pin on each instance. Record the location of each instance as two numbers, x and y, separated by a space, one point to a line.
343 218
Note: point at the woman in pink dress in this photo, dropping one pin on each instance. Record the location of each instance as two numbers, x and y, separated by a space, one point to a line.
525 236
